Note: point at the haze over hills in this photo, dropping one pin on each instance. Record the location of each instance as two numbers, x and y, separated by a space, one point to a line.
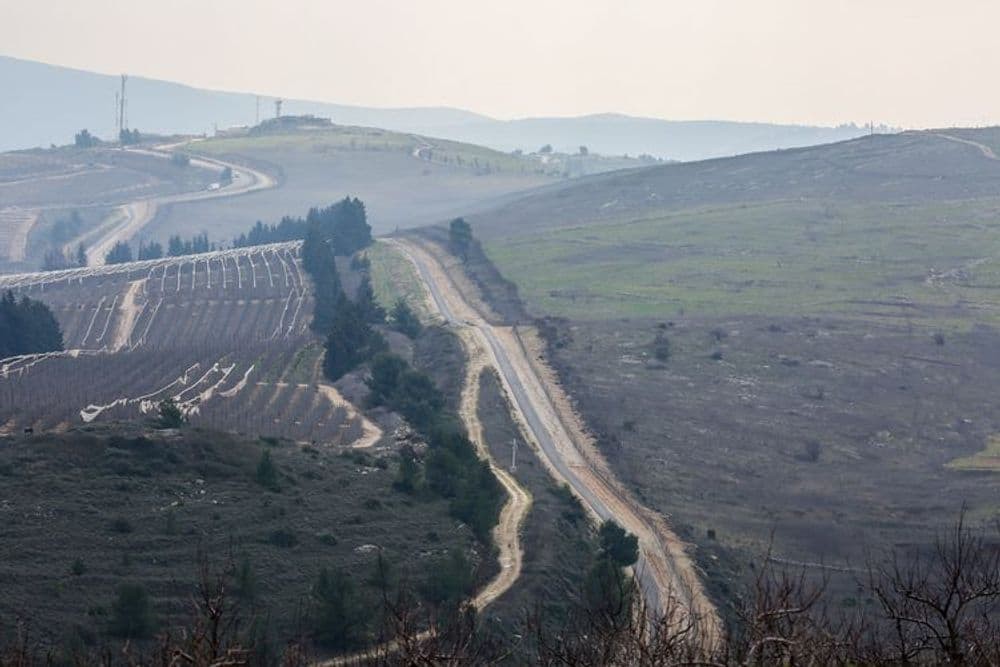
47 104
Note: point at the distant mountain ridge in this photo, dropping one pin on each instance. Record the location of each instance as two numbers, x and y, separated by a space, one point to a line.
47 104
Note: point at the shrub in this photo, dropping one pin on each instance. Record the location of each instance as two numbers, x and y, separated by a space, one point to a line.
282 537
618 545
340 618
131 613
78 568
267 472
121 525
450 580
170 415
661 346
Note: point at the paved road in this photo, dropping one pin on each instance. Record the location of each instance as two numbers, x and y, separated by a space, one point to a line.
539 429
132 217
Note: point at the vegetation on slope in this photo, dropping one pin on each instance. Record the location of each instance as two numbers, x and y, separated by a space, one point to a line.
27 327
159 506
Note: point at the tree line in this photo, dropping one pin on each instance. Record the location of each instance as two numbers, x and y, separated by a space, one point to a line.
451 469
27 327
121 251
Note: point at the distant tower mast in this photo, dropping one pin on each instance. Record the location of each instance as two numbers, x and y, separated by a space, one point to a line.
122 122
256 117
277 108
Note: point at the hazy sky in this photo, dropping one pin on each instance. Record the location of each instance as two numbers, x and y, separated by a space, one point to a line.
904 62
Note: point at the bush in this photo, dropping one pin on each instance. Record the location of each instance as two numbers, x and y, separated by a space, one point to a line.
618 545
78 568
170 415
340 618
661 346
282 537
121 525
450 581
131 613
267 472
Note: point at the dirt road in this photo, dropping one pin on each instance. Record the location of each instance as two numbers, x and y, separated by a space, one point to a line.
127 220
667 576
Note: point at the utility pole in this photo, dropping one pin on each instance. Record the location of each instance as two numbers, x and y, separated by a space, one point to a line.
122 123
513 455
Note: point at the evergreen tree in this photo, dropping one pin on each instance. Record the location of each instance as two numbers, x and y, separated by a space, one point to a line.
340 617
350 341
460 238
404 320
370 309
120 253
81 256
267 472
131 613
27 327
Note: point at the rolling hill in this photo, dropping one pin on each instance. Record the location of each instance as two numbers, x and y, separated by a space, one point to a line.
47 104
800 341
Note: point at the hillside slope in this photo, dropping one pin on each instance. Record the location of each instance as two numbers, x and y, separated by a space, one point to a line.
801 341
907 167
40 97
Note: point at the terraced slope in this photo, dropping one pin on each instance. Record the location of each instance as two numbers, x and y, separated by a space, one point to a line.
225 334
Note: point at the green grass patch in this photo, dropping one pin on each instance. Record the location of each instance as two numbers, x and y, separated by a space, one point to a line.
394 277
988 459
871 261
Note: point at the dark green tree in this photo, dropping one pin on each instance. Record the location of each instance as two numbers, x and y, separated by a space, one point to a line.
152 251
84 139
404 320
27 327
618 545
341 618
81 256
170 415
120 253
131 613
267 472
460 238
408 478
351 341
450 581
369 307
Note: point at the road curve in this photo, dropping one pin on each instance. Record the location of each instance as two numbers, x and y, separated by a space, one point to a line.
127 220
665 572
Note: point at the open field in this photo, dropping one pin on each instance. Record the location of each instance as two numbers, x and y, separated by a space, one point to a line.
403 179
801 341
138 506
934 263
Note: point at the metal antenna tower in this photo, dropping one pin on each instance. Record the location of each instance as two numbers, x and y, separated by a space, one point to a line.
277 108
122 122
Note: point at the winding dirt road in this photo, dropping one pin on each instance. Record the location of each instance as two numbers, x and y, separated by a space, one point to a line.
127 220
665 571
